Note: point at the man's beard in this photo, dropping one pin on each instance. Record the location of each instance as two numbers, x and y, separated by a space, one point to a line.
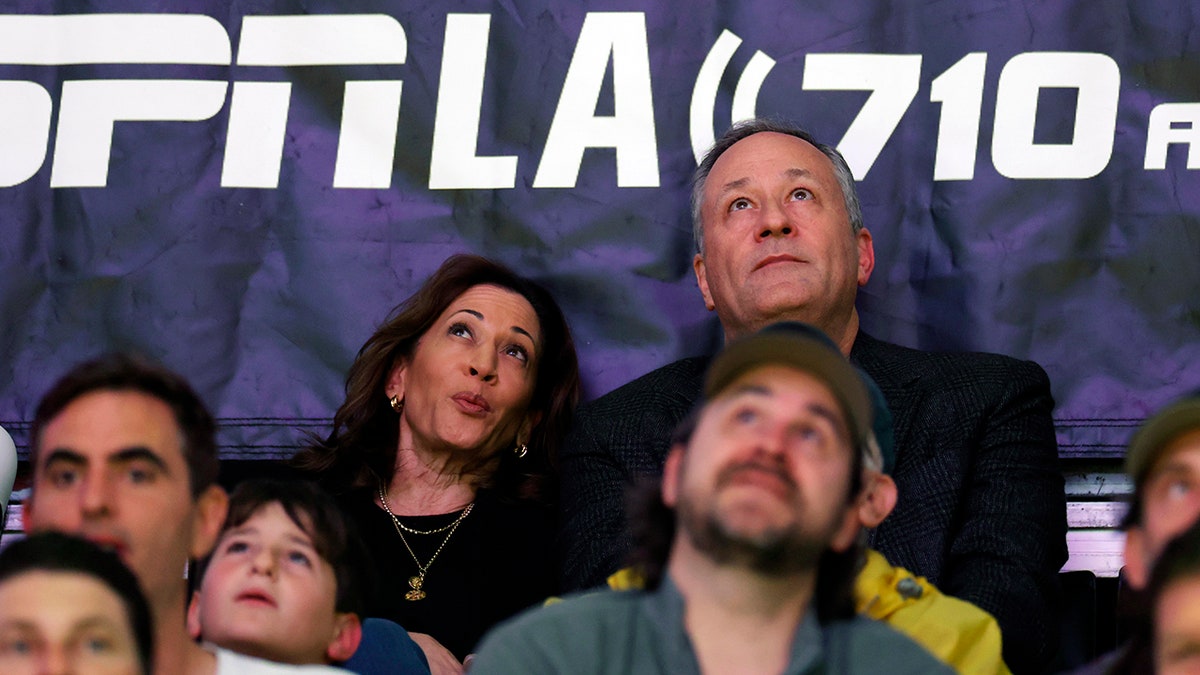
772 551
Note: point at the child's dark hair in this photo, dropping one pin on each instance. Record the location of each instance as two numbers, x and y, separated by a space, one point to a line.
62 553
334 536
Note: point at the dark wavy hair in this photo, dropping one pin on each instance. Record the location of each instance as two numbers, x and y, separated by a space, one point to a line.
335 537
118 371
55 552
360 451
652 525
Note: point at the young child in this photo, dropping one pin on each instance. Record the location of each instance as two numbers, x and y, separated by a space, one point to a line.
66 605
284 582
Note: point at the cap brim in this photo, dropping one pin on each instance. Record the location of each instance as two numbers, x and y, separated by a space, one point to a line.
801 352
1158 431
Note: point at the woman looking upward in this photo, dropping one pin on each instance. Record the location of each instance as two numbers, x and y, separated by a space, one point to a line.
444 446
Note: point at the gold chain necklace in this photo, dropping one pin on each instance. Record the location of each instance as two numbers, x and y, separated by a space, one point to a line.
417 583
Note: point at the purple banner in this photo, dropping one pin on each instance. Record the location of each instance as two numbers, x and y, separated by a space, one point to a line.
243 191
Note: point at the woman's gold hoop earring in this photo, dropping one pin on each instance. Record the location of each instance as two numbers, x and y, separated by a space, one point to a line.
397 404
521 450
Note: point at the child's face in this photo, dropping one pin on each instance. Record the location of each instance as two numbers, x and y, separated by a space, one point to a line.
268 593
64 622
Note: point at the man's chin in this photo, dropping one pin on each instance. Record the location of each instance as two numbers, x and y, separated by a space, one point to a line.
768 552
782 302
755 534
758 540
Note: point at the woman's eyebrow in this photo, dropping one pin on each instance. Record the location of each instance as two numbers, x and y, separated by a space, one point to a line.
479 315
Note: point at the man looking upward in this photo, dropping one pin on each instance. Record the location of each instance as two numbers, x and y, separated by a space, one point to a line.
779 236
749 548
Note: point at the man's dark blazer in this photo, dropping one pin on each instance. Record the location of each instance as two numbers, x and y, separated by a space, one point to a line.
981 510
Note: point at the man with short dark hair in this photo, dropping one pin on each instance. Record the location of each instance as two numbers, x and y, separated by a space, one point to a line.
759 505
124 454
780 236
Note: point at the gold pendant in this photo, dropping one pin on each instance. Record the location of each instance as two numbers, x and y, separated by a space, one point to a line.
416 593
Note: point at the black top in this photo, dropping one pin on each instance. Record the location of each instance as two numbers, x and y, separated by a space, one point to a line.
499 561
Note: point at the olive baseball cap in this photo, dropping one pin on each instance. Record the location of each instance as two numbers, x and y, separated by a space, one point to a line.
804 348
1163 427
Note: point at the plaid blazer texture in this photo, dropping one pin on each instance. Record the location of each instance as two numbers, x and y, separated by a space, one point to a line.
981 511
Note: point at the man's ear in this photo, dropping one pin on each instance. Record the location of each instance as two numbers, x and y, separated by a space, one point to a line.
1137 558
670 478
878 498
211 506
702 281
193 616
347 634
866 255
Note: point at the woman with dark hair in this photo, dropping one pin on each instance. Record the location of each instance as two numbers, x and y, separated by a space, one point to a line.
444 446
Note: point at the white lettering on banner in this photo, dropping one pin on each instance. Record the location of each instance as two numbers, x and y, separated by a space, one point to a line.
892 79
630 129
370 111
47 40
1098 81
254 140
1160 133
90 107
25 116
704 92
745 96
960 91
370 114
322 40
454 163
708 81
367 141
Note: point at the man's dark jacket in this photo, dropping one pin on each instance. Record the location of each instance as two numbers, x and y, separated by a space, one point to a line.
981 510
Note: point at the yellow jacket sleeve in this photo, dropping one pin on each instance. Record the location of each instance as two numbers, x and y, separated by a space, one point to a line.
956 631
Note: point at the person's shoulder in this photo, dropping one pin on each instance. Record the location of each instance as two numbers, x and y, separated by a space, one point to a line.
599 605
570 619
862 645
678 383
886 361
231 663
562 635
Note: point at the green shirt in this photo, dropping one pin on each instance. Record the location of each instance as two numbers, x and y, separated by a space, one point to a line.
624 632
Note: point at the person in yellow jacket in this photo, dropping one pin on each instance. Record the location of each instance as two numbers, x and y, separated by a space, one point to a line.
957 632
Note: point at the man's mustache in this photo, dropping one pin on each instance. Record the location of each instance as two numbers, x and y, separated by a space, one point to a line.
730 472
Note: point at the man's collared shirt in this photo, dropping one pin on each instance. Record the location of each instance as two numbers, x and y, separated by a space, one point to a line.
621 632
